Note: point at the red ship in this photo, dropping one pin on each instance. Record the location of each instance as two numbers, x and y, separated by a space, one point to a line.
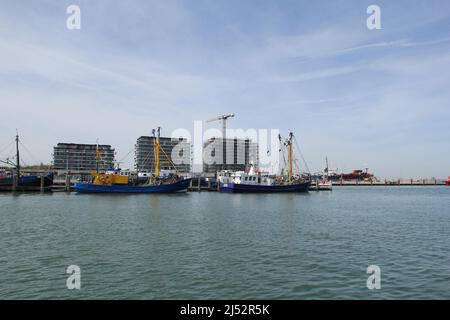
447 182
357 175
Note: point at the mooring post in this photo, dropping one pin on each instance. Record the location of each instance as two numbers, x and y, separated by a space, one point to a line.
67 182
14 182
199 183
42 183
190 185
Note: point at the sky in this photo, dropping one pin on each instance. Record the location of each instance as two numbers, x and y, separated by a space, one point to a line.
363 98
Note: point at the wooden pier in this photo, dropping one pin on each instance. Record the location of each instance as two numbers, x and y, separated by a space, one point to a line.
200 183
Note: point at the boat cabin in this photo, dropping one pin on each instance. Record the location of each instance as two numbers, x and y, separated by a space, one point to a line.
5 174
241 177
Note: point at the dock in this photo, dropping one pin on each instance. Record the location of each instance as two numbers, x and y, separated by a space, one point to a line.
390 182
201 183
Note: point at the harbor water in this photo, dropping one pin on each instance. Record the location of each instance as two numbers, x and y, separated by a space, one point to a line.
209 245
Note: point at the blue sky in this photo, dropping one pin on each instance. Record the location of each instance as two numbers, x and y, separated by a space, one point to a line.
364 98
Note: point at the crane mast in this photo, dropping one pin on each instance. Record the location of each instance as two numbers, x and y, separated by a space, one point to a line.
223 118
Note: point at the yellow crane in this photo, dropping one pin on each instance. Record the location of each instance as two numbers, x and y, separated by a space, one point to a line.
156 135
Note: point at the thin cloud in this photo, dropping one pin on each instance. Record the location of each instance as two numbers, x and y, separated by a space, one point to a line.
317 74
403 43
168 64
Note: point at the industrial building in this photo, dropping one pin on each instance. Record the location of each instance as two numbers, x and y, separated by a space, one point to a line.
240 153
175 154
81 158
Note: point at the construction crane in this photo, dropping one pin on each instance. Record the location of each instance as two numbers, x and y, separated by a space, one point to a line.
223 118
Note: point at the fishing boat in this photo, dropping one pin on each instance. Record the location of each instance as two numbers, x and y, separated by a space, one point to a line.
26 182
115 182
321 185
108 183
447 182
322 182
14 179
241 182
261 182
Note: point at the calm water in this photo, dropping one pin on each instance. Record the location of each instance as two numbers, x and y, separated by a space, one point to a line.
226 246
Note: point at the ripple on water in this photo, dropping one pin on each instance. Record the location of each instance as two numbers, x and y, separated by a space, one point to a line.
220 246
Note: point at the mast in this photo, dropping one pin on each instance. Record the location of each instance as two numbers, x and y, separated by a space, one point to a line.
290 154
97 158
17 155
224 142
156 150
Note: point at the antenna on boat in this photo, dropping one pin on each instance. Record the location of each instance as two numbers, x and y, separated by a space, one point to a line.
280 150
290 154
97 156
17 154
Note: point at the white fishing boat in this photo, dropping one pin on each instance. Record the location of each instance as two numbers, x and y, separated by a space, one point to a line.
323 183
255 181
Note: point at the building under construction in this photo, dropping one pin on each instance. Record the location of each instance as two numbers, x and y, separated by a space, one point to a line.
82 158
240 153
176 154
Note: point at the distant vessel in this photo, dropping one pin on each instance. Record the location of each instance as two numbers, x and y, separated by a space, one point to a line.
259 182
321 185
24 182
114 182
447 182
360 175
322 182
357 175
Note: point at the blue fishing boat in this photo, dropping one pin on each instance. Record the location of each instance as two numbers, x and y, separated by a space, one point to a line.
15 180
248 188
115 182
26 183
181 185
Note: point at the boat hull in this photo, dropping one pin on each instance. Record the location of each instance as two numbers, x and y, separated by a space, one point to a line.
248 188
179 186
321 187
27 183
